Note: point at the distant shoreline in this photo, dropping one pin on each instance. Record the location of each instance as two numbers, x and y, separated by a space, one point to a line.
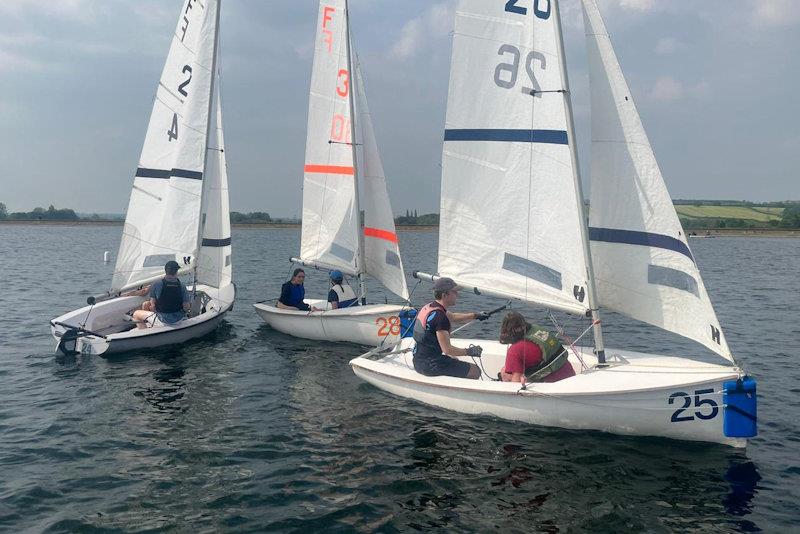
716 232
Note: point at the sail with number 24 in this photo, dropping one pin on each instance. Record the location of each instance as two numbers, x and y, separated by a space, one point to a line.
513 226
178 209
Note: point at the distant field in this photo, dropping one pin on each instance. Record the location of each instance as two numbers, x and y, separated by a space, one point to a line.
756 213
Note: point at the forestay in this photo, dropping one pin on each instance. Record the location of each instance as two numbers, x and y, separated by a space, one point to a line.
381 248
510 219
214 266
330 235
164 209
642 262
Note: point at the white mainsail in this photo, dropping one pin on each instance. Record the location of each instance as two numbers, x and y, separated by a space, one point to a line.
643 265
214 265
510 220
330 234
164 209
381 248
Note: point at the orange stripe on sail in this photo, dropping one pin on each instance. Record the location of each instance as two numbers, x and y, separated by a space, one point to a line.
328 169
377 233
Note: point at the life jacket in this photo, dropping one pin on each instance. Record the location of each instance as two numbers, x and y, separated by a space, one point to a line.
553 354
171 298
347 297
298 294
427 344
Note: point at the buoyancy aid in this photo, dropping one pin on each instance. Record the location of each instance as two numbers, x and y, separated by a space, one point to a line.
554 356
171 298
347 297
298 294
427 344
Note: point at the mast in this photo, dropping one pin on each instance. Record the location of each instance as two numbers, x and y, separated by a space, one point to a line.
362 283
202 222
590 290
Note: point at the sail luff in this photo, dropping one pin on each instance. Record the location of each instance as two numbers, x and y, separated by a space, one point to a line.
361 265
591 291
643 265
211 122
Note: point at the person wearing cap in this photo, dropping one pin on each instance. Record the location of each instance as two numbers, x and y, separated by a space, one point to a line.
433 353
169 300
341 294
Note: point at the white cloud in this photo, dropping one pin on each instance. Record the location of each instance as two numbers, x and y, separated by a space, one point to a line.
638 5
775 12
668 89
11 61
667 46
72 9
420 32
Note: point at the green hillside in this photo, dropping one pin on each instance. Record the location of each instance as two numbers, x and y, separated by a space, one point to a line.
755 213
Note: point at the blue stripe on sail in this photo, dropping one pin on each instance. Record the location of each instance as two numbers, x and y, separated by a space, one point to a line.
551 137
630 237
216 242
142 172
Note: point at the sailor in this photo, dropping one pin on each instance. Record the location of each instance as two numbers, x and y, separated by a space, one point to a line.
341 294
534 354
433 353
169 300
293 292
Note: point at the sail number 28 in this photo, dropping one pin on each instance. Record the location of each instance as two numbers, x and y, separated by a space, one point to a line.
388 326
541 8
699 403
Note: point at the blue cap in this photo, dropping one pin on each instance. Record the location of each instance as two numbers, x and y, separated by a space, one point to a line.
337 276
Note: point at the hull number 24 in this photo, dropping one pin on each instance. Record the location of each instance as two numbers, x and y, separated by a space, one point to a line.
705 409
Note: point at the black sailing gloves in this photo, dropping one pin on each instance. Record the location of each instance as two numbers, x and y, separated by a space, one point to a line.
482 316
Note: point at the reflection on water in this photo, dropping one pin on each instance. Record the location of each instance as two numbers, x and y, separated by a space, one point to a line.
252 430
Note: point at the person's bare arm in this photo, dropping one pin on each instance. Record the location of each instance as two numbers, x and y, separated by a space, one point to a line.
334 305
444 341
137 292
461 317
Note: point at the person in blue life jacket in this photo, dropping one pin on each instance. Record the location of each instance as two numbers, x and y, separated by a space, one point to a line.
169 300
341 294
293 293
433 353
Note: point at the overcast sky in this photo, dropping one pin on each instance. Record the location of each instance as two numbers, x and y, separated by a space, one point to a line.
716 82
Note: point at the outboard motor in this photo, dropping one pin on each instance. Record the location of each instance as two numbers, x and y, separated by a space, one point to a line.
739 402
407 318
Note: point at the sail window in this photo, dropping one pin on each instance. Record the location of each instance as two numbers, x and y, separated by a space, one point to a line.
157 260
665 276
531 269
342 253
392 258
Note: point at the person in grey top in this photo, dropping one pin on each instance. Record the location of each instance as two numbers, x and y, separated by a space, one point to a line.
168 298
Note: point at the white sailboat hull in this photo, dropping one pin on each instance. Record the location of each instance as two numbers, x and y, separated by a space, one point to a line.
115 334
631 397
371 325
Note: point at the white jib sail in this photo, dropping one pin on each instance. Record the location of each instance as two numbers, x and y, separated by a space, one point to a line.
214 266
164 208
510 223
330 235
642 263
381 245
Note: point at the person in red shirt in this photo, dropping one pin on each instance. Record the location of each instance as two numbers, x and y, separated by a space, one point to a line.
523 354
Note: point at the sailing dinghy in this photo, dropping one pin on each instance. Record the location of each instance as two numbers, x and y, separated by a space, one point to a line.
512 225
178 208
333 236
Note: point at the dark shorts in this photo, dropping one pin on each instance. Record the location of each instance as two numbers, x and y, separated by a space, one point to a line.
441 366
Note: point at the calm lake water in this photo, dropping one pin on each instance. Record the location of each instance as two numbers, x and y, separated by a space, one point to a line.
251 430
